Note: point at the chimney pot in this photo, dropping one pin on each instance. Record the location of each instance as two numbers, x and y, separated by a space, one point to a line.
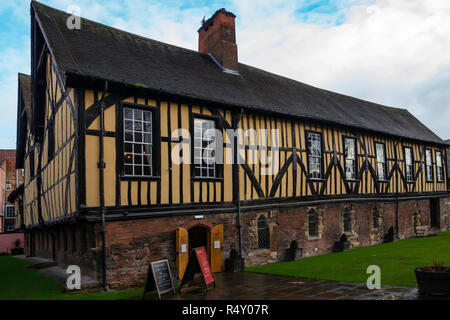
217 36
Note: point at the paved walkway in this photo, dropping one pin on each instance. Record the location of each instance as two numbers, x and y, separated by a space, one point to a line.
253 286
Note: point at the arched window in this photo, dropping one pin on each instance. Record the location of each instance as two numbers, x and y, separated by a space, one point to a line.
347 220
375 216
263 233
313 222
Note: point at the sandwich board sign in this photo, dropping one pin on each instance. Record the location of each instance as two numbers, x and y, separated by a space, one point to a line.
159 277
198 262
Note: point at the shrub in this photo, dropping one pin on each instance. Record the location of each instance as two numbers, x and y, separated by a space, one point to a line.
17 243
294 245
391 231
233 254
343 238
438 266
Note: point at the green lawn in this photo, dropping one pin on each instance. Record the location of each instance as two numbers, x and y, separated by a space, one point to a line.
19 281
396 260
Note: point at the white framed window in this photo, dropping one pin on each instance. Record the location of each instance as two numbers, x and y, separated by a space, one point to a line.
381 160
9 211
314 155
8 187
350 158
409 164
204 148
439 169
429 164
138 142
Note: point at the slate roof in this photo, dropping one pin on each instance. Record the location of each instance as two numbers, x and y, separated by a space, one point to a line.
25 86
103 52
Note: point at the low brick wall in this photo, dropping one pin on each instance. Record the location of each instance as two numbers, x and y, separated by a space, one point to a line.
7 239
133 244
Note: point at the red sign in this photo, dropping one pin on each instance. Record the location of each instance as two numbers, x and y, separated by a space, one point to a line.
204 265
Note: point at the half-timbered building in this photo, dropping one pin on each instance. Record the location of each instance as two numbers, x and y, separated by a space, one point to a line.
111 111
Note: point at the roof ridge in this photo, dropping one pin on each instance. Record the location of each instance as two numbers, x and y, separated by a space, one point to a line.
120 30
185 72
202 54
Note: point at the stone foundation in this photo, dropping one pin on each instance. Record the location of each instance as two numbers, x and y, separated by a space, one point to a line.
133 244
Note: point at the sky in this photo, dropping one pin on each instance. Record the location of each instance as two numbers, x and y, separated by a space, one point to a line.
392 52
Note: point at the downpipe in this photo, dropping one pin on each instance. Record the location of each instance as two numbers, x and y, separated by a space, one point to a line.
101 167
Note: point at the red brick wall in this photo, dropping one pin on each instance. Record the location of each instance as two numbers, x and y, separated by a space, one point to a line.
133 244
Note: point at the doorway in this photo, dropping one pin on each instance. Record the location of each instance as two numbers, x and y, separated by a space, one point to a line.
198 237
435 213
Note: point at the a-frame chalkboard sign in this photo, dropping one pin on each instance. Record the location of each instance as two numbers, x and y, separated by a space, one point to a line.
198 262
159 277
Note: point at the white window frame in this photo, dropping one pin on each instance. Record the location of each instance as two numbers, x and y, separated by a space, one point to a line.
381 161
429 165
350 174
142 149
8 214
204 148
314 154
409 167
439 168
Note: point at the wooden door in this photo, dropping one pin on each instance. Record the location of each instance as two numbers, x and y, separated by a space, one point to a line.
182 251
435 215
216 245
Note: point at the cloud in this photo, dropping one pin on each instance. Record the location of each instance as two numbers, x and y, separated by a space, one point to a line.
393 52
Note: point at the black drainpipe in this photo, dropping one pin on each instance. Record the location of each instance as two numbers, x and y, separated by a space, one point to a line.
101 166
396 191
238 184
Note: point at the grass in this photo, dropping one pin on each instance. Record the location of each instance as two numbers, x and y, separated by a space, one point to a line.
397 261
19 281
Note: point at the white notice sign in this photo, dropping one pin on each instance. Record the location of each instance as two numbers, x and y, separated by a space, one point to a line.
183 248
216 244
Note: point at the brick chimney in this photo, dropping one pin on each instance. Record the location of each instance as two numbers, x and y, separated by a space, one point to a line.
217 36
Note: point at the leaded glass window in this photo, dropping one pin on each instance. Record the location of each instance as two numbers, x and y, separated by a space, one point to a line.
429 165
204 148
9 211
138 142
314 155
347 220
263 233
439 170
313 223
381 161
375 216
350 158
409 165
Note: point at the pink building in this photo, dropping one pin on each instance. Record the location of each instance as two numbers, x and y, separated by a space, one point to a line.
10 179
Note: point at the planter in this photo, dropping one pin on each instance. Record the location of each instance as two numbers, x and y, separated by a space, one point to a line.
234 265
340 246
433 282
16 251
293 254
